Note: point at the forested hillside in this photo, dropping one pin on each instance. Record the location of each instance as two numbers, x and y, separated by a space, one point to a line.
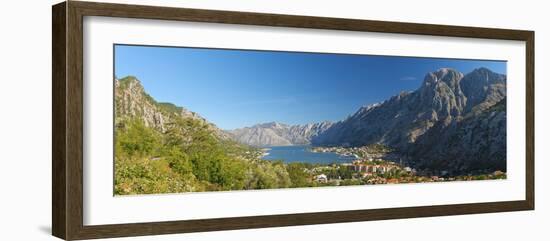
161 148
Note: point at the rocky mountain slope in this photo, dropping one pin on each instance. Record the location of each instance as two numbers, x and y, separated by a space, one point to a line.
475 143
451 116
131 101
162 148
278 134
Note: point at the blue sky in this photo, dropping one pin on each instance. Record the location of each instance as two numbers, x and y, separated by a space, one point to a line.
238 88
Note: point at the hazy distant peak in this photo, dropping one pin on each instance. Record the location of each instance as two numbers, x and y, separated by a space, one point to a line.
279 134
272 124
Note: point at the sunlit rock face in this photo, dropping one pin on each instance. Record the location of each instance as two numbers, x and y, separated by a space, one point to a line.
452 120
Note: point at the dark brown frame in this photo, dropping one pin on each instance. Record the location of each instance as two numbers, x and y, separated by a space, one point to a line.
67 121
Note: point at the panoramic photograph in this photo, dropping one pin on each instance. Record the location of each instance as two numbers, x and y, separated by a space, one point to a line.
203 119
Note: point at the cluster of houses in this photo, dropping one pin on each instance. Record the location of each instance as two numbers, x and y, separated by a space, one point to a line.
368 167
373 151
339 150
372 170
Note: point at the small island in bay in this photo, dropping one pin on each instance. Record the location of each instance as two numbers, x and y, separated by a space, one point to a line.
444 125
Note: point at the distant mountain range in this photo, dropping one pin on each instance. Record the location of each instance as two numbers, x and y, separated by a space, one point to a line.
453 120
278 134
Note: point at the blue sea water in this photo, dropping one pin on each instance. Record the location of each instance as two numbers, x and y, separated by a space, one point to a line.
301 153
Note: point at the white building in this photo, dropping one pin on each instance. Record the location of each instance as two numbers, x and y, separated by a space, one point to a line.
321 178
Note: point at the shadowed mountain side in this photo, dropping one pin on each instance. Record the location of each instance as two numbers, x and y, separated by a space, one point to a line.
451 116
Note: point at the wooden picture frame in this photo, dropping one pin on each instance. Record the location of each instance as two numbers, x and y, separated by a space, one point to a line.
67 123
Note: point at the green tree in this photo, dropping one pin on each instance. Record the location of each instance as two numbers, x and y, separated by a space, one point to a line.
134 138
298 175
230 175
179 161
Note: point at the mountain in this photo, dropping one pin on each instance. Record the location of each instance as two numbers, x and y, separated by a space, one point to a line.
131 101
451 116
278 134
475 143
163 148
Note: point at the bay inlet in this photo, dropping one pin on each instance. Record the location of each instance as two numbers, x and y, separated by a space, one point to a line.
303 153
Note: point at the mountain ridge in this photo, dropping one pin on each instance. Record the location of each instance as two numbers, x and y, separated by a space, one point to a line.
133 101
278 134
444 119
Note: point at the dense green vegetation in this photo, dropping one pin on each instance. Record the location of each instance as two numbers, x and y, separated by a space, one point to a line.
159 149
188 156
